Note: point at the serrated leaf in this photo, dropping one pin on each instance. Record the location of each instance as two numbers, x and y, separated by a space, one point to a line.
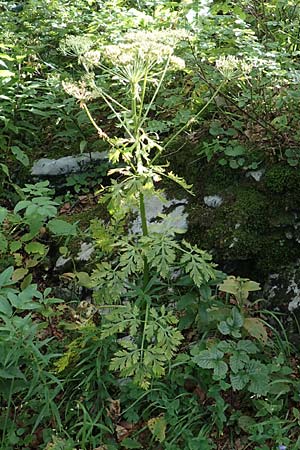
247 346
15 246
224 328
239 380
226 346
220 370
35 248
212 359
259 377
238 361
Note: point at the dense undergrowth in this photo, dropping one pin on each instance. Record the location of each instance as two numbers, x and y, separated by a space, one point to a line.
154 346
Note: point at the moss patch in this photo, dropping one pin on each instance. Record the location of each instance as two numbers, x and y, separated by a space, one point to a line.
254 223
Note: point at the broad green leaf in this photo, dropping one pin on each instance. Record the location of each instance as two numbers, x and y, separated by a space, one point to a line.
236 150
62 228
238 360
20 155
5 307
5 170
256 329
21 205
19 274
35 247
220 370
6 74
26 282
14 246
212 359
84 279
5 277
224 328
239 380
259 377
157 426
247 346
10 373
237 318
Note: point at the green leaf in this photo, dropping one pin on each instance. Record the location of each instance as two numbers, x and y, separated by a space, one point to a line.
245 423
84 279
239 380
20 155
5 170
236 150
233 164
35 247
3 243
5 277
82 146
157 426
256 329
259 377
5 307
21 205
3 214
19 274
62 228
212 359
220 370
14 246
247 346
238 360
224 328
130 443
237 318
6 74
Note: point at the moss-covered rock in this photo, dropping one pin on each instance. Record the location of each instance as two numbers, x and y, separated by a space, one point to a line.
256 221
280 179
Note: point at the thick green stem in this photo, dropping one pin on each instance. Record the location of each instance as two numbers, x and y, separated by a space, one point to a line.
144 331
145 233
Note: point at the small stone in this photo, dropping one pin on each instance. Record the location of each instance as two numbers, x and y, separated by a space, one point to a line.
255 174
86 251
61 262
213 201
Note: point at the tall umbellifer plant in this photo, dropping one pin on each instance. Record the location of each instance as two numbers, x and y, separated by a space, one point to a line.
134 277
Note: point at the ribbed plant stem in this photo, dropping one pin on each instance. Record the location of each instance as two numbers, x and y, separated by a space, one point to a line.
145 233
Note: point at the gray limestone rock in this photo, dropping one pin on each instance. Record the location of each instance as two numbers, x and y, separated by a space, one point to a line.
158 219
65 165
